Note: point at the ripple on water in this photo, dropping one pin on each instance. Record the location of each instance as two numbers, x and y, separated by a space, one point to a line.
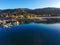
30 34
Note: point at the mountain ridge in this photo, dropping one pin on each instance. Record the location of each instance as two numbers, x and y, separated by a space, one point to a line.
38 11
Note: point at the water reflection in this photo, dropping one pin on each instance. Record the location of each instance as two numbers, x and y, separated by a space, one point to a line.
30 34
9 24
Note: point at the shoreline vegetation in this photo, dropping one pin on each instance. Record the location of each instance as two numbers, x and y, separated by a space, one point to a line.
25 15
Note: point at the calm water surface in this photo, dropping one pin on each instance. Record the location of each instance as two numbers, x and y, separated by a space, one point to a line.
31 34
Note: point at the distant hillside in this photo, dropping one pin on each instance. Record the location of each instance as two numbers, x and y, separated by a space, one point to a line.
23 11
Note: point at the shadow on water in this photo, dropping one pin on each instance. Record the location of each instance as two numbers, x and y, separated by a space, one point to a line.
30 34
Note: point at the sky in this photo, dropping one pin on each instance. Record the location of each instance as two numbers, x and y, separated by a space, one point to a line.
32 4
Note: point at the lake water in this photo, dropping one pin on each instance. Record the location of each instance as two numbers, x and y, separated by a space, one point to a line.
31 34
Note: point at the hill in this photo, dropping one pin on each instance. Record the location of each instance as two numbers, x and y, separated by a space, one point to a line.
22 11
